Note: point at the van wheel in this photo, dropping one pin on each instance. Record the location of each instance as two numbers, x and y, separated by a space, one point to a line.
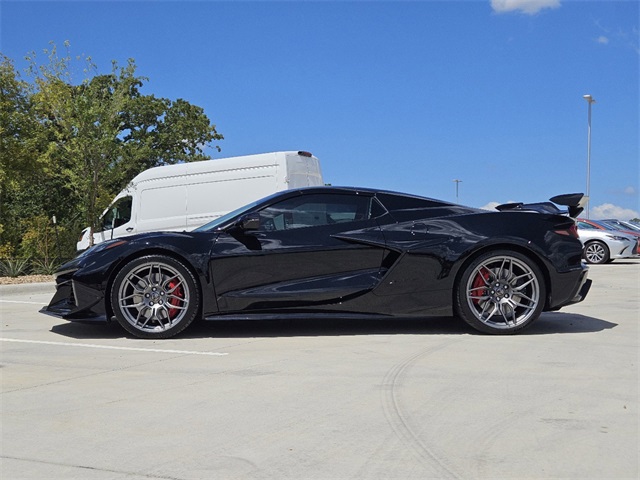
155 297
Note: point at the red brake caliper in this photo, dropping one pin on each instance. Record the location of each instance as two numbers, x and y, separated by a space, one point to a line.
178 292
479 282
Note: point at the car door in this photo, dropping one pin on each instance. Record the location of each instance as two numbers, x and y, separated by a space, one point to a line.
294 258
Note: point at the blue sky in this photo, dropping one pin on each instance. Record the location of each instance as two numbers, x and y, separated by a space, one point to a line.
404 95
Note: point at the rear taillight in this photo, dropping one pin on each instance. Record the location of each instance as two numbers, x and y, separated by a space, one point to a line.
572 231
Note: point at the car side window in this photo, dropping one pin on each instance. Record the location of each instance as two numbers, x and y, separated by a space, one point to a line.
586 226
314 210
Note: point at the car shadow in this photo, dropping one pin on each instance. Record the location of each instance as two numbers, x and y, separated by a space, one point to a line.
560 322
88 331
548 323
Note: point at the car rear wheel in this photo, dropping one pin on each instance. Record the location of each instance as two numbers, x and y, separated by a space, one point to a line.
155 297
596 252
500 292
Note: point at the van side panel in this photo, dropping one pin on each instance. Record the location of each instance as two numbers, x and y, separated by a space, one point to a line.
162 208
303 172
218 193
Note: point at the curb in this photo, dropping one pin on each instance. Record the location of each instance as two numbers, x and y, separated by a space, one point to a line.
27 288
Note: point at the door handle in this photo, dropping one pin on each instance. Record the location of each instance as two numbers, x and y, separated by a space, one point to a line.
129 229
419 228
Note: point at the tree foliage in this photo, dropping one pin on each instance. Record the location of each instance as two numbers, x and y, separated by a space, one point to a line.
18 127
68 147
21 141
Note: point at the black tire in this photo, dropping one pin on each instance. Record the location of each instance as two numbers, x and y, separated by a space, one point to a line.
500 292
596 252
155 297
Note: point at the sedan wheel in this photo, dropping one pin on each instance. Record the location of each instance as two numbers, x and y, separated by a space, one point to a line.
596 252
155 297
500 292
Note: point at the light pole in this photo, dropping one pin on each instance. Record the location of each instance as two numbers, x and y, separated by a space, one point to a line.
457 182
591 100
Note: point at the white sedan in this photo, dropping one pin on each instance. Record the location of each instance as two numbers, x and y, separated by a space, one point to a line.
603 246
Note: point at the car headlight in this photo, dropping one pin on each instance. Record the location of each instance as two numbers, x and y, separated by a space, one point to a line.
620 239
103 246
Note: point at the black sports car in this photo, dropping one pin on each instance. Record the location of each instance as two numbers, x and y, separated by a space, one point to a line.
336 251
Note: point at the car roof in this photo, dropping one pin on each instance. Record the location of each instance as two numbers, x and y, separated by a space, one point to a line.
364 190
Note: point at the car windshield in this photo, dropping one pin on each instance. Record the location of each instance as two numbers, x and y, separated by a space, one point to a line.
224 219
631 226
220 221
611 226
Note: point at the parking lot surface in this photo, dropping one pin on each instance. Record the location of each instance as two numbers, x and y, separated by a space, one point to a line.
320 399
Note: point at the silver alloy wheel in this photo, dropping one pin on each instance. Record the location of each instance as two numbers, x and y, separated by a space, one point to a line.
596 252
153 297
503 292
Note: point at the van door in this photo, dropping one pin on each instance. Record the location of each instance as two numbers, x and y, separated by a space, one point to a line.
116 222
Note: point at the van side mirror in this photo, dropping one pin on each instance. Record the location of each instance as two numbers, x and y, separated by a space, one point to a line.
250 221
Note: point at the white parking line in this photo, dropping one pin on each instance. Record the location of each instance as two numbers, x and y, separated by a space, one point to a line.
110 347
17 301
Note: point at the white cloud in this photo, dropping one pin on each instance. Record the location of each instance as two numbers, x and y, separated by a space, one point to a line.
629 191
608 210
530 7
493 205
490 206
618 36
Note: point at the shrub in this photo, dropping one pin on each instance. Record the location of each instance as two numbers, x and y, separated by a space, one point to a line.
39 238
44 266
14 267
6 251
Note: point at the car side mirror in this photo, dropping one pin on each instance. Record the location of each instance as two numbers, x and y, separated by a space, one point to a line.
250 221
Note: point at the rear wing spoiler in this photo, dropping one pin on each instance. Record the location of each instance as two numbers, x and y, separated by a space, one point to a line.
574 201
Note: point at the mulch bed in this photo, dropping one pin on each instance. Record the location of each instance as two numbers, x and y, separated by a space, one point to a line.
26 279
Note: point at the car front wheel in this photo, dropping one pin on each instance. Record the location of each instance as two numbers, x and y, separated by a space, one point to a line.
155 297
500 292
596 252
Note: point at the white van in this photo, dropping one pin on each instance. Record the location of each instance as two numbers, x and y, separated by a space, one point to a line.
184 196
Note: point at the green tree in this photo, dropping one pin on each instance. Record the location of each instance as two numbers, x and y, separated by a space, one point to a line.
18 126
103 131
21 140
67 147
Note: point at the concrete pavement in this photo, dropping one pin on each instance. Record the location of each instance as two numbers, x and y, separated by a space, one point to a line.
320 399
